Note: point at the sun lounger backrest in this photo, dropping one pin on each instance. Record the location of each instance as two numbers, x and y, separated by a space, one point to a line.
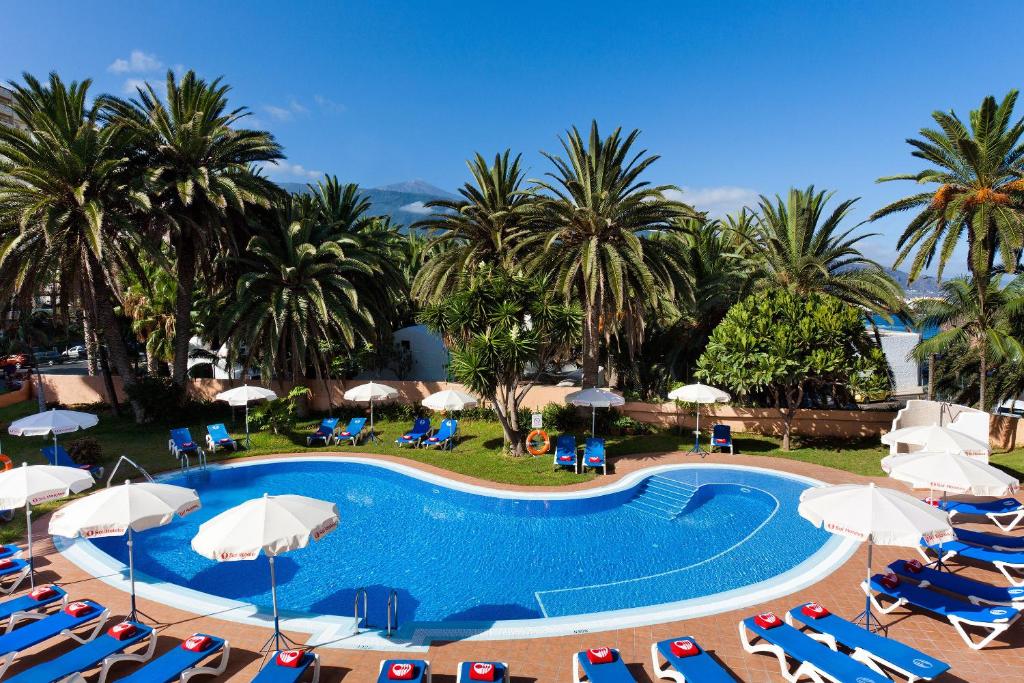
566 442
421 425
721 432
56 455
170 665
181 436
217 431
595 446
447 429
355 425
82 657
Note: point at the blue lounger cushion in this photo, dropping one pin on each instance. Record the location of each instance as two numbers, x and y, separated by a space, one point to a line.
565 451
183 440
999 541
420 669
38 631
26 603
323 432
883 650
944 605
594 448
273 672
14 567
170 665
982 508
420 428
352 430
1006 561
700 668
974 591
808 651
500 671
83 657
9 550
444 434
218 436
614 671
56 455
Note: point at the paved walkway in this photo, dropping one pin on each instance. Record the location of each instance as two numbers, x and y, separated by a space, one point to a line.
549 659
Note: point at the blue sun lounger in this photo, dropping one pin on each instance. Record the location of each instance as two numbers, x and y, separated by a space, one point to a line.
273 672
565 452
698 668
816 660
182 445
105 650
976 592
182 664
614 671
352 432
721 438
1005 513
994 541
959 613
869 647
1009 563
444 437
56 455
325 432
414 437
466 668
420 670
594 456
9 550
217 437
18 570
26 603
46 626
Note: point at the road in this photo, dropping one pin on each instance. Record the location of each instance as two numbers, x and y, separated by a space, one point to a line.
73 367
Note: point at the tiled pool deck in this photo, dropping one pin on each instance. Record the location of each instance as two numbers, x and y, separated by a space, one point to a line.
549 659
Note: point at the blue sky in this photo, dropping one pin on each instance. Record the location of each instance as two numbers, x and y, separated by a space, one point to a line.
738 98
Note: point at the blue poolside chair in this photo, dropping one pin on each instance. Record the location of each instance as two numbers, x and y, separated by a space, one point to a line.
465 674
815 661
15 571
414 437
106 650
420 670
182 445
613 671
959 613
444 437
976 592
352 432
217 437
867 646
721 438
1005 513
699 667
276 672
56 455
325 432
10 550
565 452
30 603
593 454
182 663
994 541
1009 562
47 626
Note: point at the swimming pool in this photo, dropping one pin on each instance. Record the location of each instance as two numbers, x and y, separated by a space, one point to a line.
459 554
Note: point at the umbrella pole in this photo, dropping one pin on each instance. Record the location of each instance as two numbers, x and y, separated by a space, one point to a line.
373 435
247 425
866 614
593 420
273 595
31 562
133 616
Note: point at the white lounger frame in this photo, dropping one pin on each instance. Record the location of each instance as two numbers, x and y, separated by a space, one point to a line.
805 669
863 656
958 622
1014 572
18 617
426 669
1015 518
19 578
460 679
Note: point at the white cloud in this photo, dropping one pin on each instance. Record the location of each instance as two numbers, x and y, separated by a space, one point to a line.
329 105
137 62
284 170
286 113
418 208
717 201
132 84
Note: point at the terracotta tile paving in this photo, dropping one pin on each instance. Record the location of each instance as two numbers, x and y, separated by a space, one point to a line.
549 659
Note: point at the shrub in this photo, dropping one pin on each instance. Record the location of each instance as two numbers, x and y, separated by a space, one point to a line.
561 417
279 415
86 451
159 397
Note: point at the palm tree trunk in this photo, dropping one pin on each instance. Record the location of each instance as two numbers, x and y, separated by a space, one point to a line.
152 364
92 346
107 323
931 377
982 380
186 276
591 345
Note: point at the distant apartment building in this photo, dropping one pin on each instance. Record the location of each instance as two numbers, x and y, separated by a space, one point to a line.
7 115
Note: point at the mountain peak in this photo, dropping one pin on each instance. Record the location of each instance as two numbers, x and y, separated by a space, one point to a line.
417 186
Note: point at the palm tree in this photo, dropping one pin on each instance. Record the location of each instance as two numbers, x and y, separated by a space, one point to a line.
68 195
481 229
795 244
149 303
976 189
593 213
989 333
200 176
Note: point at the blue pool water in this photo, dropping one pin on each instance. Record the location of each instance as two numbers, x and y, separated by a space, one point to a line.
459 556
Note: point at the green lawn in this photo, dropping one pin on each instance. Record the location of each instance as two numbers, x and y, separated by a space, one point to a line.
478 453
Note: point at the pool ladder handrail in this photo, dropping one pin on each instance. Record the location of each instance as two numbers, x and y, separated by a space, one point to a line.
123 459
392 606
355 609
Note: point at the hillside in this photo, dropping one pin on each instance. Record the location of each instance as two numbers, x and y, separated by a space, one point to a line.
402 201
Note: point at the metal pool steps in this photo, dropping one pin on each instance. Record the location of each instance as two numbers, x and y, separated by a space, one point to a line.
663 497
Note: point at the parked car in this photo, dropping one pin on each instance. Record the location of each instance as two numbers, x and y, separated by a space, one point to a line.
47 357
15 360
75 353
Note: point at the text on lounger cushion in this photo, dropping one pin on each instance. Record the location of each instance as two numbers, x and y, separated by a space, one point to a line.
684 648
600 655
122 631
197 643
401 671
814 610
289 658
481 671
42 593
767 620
78 609
890 581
